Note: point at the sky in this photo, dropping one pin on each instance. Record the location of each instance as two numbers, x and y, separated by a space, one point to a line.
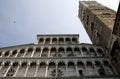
22 20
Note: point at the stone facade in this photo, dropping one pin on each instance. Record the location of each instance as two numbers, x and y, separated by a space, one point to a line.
103 27
98 21
56 56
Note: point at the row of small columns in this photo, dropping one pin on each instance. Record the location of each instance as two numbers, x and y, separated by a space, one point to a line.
56 41
46 70
41 51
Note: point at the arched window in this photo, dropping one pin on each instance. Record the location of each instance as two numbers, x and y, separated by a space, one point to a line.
41 70
14 52
69 49
47 41
30 49
100 52
38 49
61 69
61 49
74 40
54 40
68 40
97 64
53 49
7 53
92 52
24 64
71 69
61 40
22 51
80 64
85 51
41 40
89 64
45 52
15 64
52 69
7 63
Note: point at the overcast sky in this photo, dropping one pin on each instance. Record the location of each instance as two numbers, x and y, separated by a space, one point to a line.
22 20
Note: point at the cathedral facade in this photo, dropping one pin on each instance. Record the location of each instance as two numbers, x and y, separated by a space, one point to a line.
61 56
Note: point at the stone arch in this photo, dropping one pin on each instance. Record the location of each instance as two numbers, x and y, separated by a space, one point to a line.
33 63
85 51
22 51
29 52
89 64
97 63
41 40
47 41
100 52
69 49
15 64
80 64
92 52
74 40
61 49
7 63
41 69
42 64
7 53
37 52
70 52
45 52
77 51
68 40
52 65
14 52
53 52
106 63
71 69
37 49
61 65
61 68
53 49
52 69
115 52
61 40
31 70
30 49
24 63
54 40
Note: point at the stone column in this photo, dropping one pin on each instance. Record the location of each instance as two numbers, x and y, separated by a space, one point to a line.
10 54
27 69
76 69
33 52
44 41
81 53
46 70
66 69
56 69
2 65
37 66
8 69
17 70
25 53
50 41
41 52
49 51
17 53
